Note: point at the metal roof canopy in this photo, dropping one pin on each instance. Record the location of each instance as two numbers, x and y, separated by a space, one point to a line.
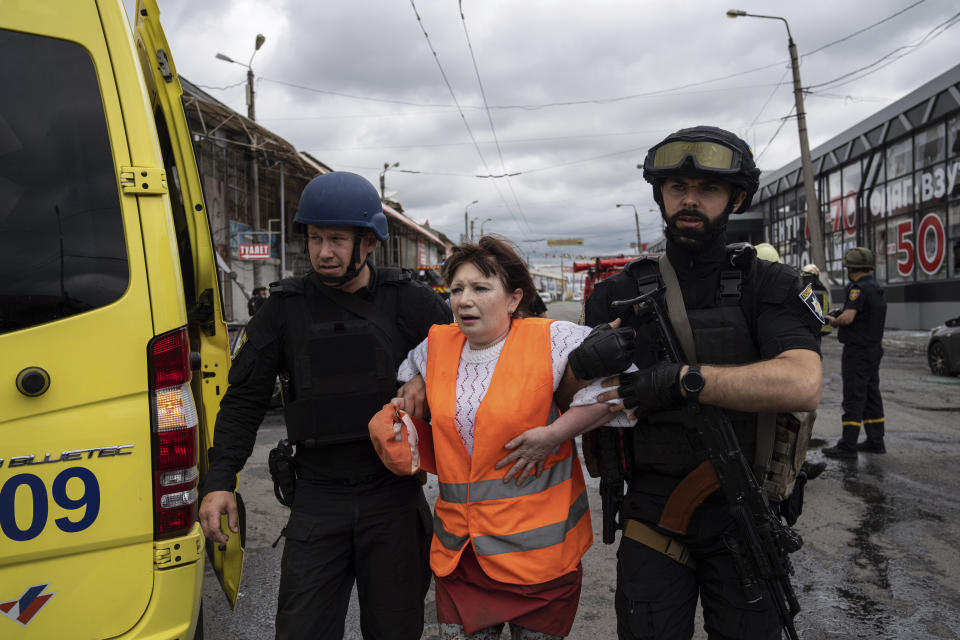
907 114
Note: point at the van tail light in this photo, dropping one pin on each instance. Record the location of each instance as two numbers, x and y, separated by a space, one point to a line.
173 418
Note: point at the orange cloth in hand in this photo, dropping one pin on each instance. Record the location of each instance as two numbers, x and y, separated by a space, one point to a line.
410 450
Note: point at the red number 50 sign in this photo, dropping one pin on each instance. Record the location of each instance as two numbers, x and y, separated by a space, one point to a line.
930 249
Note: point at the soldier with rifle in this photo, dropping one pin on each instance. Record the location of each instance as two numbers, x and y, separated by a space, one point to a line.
727 348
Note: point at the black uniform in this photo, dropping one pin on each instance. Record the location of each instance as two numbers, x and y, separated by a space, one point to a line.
656 595
351 518
862 342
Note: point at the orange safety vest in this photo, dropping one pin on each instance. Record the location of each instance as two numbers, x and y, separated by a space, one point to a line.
521 535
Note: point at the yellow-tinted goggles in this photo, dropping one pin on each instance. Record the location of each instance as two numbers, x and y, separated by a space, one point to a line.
704 154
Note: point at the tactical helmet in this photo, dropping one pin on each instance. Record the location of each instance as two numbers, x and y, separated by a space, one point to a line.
766 251
342 199
703 151
859 258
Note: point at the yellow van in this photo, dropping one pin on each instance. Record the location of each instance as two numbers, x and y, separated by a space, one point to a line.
113 348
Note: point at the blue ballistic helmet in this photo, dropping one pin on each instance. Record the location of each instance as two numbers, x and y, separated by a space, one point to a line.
341 199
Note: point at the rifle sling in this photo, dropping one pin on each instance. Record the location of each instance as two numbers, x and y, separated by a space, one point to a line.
677 310
639 532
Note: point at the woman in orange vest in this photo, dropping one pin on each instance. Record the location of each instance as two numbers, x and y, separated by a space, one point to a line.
504 551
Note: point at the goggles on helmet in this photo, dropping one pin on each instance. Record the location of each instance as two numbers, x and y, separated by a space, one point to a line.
703 154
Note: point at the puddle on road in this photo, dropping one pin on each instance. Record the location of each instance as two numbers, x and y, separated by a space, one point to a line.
864 592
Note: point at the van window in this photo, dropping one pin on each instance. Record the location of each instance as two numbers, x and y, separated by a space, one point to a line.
62 247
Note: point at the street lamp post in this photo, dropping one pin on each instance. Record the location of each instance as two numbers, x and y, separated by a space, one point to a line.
483 223
810 191
466 221
636 219
386 167
254 168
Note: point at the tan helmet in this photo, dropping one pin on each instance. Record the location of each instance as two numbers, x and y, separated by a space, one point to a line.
766 251
811 269
859 258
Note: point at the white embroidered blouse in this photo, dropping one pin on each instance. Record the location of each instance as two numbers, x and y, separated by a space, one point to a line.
476 370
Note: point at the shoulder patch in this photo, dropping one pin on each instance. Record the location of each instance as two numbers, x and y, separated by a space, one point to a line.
809 298
242 341
853 295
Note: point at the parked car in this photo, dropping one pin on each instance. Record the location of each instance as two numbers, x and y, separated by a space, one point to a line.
546 296
943 349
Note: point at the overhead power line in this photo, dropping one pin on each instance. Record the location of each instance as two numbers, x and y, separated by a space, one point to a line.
463 117
610 100
486 106
890 57
783 121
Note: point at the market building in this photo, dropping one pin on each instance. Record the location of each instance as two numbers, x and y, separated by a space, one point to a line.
890 183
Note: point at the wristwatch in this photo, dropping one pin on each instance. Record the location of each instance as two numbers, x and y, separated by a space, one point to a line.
692 383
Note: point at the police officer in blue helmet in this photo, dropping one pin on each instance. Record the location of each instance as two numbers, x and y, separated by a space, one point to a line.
750 347
335 337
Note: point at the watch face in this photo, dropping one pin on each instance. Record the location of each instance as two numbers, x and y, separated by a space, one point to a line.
692 382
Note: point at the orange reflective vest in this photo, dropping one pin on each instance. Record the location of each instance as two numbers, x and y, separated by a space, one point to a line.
521 535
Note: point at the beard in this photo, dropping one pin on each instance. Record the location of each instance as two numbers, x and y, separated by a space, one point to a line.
695 239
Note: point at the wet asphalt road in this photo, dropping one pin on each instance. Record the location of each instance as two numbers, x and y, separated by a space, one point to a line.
881 557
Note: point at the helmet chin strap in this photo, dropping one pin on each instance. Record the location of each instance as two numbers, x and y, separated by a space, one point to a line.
352 271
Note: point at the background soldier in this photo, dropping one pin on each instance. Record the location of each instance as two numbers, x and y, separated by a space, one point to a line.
860 331
337 335
256 300
759 342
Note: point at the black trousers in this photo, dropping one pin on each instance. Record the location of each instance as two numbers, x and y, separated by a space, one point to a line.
377 534
656 596
860 368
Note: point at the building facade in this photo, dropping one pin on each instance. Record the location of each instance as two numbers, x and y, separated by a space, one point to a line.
890 183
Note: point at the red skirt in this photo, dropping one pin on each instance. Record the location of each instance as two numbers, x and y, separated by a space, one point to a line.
470 598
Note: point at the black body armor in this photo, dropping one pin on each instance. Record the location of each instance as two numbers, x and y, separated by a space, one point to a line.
721 336
343 369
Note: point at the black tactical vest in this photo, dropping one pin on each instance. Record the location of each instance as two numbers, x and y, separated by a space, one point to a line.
721 336
342 367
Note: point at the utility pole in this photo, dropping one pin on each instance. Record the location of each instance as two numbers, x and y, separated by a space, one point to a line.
809 187
383 178
636 220
254 168
466 221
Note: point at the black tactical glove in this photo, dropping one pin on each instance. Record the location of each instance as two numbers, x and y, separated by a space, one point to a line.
651 389
604 352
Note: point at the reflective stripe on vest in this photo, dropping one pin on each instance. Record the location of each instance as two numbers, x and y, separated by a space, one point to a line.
497 489
526 534
538 538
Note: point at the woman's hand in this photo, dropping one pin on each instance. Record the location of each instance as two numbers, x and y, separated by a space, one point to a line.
528 452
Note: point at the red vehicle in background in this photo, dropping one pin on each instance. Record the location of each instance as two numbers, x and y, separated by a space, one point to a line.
430 274
599 269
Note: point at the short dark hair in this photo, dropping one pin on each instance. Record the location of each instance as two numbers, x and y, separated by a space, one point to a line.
494 255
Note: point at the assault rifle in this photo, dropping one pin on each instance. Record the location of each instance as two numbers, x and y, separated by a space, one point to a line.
762 543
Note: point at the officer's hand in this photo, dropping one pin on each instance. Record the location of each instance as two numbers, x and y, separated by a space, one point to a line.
213 506
414 396
650 389
607 350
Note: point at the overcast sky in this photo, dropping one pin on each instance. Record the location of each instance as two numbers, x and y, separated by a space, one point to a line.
634 71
